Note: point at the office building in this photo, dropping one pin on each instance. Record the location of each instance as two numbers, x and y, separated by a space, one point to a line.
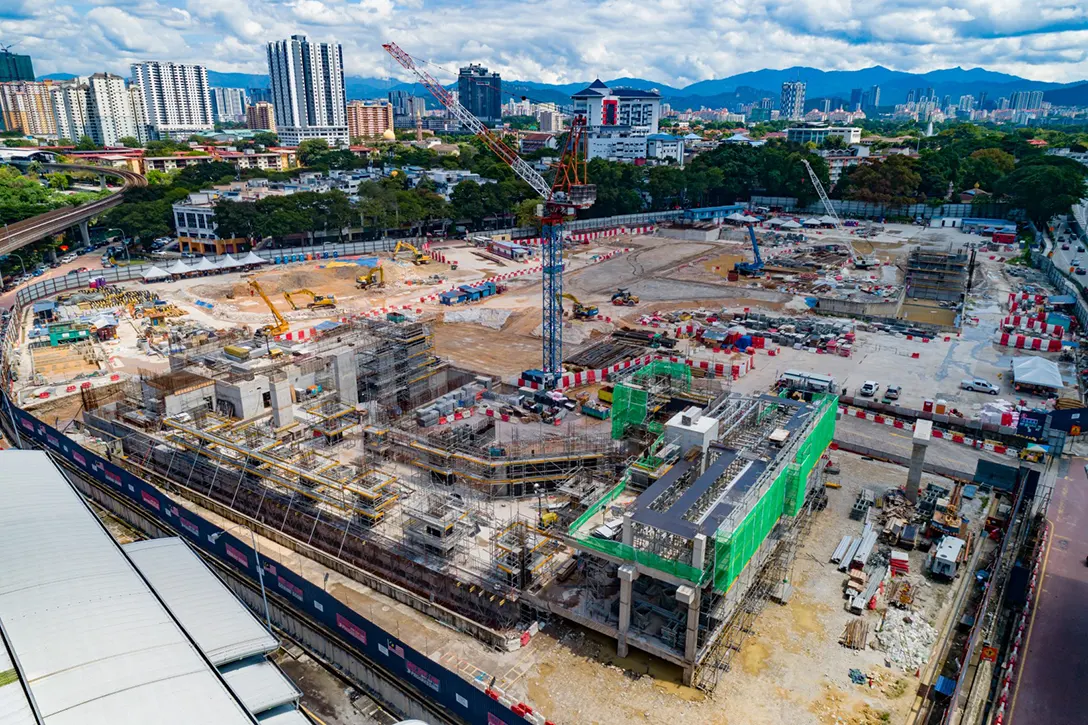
626 108
69 99
480 92
28 108
229 105
550 121
874 97
405 105
261 115
256 95
308 90
793 100
369 119
15 67
114 111
817 134
855 99
176 98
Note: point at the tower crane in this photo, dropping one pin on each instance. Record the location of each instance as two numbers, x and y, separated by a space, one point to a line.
859 261
567 193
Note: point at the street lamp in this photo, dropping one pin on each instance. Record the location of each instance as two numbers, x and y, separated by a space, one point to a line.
260 568
124 240
14 254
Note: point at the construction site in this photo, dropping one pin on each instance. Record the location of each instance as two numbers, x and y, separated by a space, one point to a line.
633 473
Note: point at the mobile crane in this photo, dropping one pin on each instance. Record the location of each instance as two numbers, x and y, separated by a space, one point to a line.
374 278
580 311
858 261
418 257
281 326
319 302
567 193
755 267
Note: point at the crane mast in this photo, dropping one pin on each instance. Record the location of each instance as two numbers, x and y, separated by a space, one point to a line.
567 193
859 261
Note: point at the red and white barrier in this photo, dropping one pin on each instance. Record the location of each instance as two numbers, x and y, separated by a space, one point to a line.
1034 324
590 236
1023 342
297 335
899 424
587 377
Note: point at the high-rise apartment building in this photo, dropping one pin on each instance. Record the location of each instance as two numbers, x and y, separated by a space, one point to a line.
369 119
552 121
114 110
480 92
874 97
69 99
15 67
256 95
176 98
28 108
308 90
966 103
405 104
229 105
261 115
793 100
855 99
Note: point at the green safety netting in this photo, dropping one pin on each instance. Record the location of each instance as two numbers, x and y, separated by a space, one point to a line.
628 408
664 368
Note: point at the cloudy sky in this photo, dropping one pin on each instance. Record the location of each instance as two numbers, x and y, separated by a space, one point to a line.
558 41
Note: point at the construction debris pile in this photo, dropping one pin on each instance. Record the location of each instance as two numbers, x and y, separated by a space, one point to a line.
906 639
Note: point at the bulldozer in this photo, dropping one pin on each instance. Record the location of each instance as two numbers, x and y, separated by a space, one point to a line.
281 326
580 311
623 298
319 302
418 257
373 279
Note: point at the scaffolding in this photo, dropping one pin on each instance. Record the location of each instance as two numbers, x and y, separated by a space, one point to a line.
523 553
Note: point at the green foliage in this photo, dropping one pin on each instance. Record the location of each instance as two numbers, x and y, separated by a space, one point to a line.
265 138
311 149
58 182
130 142
1045 186
22 196
521 123
18 143
86 143
895 180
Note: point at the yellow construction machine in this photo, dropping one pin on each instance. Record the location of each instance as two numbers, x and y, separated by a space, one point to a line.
281 325
373 279
580 311
418 257
318 302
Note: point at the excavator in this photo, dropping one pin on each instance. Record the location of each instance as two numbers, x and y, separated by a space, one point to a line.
374 278
281 326
580 311
623 298
319 302
418 257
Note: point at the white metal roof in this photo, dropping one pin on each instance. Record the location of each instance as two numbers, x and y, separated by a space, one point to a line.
288 717
14 707
95 643
220 625
260 685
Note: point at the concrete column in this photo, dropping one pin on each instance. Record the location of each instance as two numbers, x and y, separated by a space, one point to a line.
279 393
923 431
343 367
698 550
691 597
628 536
102 181
627 573
85 233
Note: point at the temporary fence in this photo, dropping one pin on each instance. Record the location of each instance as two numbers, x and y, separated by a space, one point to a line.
868 210
1023 342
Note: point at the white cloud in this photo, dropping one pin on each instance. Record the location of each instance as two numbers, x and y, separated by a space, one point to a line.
672 41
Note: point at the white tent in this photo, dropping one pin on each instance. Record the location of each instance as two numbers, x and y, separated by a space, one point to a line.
155 273
1037 371
774 222
813 222
204 265
229 262
749 219
827 219
790 224
179 267
252 258
736 217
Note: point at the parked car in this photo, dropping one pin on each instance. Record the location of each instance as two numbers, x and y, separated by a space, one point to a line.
1065 246
869 388
979 385
892 392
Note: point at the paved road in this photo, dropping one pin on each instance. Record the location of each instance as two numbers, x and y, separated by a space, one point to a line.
91 261
1063 258
1053 685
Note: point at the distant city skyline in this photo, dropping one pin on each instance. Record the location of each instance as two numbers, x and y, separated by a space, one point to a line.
1040 42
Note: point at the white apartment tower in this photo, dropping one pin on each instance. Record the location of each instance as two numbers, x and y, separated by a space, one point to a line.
308 90
229 104
176 98
114 111
70 109
793 100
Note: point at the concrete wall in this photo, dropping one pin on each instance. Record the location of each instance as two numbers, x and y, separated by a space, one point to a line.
180 402
344 368
830 305
246 396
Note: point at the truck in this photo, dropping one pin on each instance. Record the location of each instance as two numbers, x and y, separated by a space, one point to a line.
979 385
806 381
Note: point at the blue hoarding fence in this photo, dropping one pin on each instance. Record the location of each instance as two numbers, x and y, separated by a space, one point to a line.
431 681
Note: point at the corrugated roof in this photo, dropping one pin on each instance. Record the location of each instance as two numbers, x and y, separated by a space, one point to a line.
287 717
219 624
95 643
14 707
260 685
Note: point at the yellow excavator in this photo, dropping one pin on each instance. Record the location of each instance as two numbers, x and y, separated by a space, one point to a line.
319 302
580 311
281 325
418 257
373 279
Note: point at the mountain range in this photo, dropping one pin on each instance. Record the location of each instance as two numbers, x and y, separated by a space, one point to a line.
734 90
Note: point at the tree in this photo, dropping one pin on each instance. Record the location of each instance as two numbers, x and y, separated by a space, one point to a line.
197 176
265 138
469 201
130 142
526 215
986 167
891 181
310 149
59 182
86 143
1044 189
